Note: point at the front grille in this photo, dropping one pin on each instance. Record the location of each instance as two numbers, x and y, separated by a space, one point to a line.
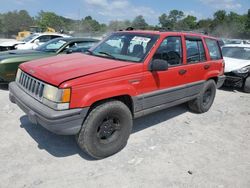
31 85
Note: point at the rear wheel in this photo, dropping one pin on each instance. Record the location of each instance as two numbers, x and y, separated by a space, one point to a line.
246 86
206 98
106 129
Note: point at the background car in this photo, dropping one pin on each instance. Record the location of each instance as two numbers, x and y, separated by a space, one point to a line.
30 42
237 66
10 60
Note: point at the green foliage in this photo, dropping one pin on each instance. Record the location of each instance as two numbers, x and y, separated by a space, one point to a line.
49 19
172 20
15 21
118 25
139 23
223 24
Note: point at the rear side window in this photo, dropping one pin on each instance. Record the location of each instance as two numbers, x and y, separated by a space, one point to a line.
214 49
195 50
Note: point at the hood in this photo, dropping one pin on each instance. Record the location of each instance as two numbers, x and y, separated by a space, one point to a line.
232 64
56 70
11 43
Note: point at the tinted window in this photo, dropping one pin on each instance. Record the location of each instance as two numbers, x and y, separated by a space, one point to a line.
170 50
214 49
195 51
44 38
55 36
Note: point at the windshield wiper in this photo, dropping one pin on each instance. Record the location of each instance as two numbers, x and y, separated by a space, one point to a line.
107 54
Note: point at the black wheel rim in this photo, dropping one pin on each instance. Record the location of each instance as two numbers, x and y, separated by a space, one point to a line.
207 97
108 130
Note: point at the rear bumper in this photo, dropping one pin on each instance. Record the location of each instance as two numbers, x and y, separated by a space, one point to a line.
221 80
67 122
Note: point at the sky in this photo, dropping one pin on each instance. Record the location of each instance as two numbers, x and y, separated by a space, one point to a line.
107 10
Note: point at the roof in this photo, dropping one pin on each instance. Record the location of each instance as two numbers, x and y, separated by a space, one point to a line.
190 33
49 33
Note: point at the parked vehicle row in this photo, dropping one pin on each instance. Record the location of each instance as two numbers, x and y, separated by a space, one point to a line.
10 60
31 42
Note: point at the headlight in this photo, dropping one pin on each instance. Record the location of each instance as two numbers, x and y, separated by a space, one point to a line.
56 98
242 70
18 74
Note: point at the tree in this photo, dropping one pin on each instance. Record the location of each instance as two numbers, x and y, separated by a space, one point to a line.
49 19
188 23
118 25
139 23
220 16
171 20
90 25
205 25
175 16
248 20
165 22
15 21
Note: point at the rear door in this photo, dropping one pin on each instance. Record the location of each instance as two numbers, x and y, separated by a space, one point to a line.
195 59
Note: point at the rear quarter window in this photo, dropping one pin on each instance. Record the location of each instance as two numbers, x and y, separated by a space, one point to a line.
214 49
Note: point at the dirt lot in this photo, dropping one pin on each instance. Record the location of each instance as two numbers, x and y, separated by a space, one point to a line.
171 148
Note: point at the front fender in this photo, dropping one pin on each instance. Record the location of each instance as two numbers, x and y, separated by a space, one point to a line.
98 94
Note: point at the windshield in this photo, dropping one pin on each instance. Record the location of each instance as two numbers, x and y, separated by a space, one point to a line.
237 52
52 46
125 46
29 38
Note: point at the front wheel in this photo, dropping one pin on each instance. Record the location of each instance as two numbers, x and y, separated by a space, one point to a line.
106 129
206 98
246 86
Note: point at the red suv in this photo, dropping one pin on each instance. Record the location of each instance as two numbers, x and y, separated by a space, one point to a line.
129 74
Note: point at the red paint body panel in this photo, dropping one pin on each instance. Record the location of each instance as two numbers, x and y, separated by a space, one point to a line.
94 78
56 70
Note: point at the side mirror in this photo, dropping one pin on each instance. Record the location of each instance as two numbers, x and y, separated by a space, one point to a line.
158 65
37 41
69 51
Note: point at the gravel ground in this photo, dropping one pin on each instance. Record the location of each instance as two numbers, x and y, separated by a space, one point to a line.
171 148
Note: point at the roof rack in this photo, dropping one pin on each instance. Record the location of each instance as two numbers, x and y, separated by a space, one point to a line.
129 29
187 31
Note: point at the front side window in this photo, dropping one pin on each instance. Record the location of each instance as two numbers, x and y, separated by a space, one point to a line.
214 49
125 46
44 38
170 50
195 51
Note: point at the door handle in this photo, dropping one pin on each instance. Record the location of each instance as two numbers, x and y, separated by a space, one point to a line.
182 71
206 67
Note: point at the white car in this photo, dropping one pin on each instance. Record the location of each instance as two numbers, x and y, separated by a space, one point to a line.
237 65
30 42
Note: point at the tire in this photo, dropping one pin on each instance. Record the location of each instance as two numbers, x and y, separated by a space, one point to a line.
106 129
246 86
206 98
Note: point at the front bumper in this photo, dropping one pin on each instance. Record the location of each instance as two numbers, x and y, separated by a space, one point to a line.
235 80
67 122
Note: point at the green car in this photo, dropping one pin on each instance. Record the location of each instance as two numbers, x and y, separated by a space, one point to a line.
10 60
